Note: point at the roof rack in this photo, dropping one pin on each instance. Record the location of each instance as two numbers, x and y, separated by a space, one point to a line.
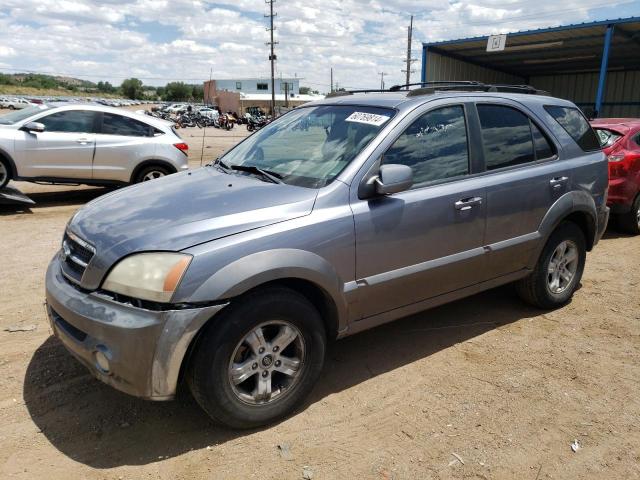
427 88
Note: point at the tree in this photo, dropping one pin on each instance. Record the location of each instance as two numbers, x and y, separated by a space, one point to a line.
132 88
198 93
106 87
177 91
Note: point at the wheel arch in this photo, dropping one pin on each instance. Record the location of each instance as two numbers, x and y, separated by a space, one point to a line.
577 207
150 163
12 166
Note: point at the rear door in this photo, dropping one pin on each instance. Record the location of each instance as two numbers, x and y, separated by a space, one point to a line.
121 144
524 177
64 150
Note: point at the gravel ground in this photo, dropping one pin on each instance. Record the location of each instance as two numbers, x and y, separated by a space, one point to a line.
482 388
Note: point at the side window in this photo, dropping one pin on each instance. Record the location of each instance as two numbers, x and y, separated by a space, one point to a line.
636 140
506 135
542 145
434 146
113 124
70 121
574 123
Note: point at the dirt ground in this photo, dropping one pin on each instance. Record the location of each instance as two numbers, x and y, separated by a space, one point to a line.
484 388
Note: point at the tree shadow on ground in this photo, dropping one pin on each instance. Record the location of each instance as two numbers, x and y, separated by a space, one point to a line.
103 428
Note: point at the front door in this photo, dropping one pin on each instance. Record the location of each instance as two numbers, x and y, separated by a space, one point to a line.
64 150
426 241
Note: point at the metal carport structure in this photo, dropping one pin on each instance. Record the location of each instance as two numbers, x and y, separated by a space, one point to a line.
595 64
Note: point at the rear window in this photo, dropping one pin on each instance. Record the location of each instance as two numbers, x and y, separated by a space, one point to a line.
574 123
607 137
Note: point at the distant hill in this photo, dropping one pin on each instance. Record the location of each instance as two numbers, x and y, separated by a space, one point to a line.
37 81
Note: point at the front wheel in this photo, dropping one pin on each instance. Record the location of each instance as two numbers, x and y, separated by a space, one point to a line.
557 274
259 360
630 221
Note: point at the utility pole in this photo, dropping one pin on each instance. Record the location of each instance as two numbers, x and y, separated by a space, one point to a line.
272 56
410 60
331 79
286 94
382 74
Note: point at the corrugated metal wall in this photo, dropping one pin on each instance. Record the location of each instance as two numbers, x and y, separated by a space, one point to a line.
440 67
622 92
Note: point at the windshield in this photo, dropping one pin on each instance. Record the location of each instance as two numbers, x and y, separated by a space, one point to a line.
19 115
310 146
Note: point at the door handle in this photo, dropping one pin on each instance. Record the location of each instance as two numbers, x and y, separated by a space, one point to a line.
82 141
468 203
558 182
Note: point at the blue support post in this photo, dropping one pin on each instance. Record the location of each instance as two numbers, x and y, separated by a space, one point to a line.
603 68
423 74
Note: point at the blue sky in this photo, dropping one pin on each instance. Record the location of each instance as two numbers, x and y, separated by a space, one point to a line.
165 40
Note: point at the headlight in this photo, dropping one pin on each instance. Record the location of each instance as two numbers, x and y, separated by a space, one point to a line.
148 276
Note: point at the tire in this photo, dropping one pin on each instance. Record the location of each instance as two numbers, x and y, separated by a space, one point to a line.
222 344
540 288
5 173
151 173
11 107
630 222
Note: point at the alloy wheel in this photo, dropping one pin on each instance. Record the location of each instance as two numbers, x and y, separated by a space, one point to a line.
562 266
267 363
152 175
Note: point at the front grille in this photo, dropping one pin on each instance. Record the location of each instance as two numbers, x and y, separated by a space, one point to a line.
76 255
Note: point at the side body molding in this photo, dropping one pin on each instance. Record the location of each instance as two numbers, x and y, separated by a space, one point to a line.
259 268
570 202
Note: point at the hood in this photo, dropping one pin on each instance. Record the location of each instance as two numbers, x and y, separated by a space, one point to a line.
184 209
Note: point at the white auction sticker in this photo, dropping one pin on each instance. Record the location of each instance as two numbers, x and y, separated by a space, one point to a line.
368 118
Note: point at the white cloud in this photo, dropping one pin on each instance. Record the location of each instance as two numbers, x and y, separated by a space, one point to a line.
112 39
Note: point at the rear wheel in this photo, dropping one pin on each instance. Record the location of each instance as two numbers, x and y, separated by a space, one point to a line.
558 271
5 173
258 362
630 222
151 173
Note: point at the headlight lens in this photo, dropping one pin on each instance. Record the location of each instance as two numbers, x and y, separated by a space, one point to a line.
148 276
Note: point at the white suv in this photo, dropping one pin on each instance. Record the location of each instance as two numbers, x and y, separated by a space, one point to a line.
89 144
16 103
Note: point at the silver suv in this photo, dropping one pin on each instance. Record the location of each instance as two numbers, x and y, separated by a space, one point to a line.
90 144
337 217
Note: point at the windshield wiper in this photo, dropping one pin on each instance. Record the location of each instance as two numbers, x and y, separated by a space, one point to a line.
269 175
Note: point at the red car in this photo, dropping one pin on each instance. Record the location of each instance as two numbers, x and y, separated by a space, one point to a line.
620 140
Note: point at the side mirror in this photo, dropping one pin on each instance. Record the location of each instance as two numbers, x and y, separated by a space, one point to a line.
33 127
393 178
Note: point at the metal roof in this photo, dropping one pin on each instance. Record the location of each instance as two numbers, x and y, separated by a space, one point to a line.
570 48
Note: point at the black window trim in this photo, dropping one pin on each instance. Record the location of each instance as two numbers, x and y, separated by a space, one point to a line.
442 181
570 136
99 125
536 161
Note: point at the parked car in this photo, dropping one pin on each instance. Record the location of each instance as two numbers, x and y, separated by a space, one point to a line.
177 108
620 139
17 104
90 144
235 276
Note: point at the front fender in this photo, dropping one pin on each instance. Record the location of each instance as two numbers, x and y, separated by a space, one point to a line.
259 268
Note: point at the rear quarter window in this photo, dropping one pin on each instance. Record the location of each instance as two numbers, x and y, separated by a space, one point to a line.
607 137
576 125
